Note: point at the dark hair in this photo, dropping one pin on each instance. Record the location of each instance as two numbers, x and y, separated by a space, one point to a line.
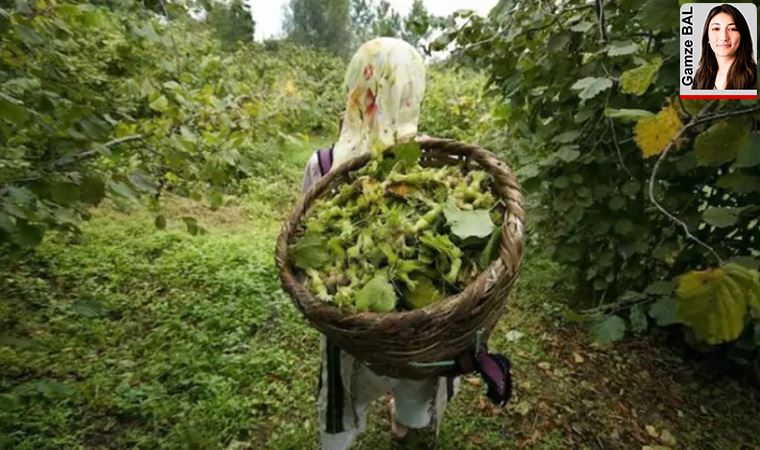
743 72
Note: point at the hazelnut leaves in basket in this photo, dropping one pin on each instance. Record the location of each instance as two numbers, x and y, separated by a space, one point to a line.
397 235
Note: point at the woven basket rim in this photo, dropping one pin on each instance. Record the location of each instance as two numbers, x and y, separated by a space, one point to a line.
310 306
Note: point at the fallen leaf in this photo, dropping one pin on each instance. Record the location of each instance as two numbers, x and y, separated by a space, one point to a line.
514 336
474 381
477 439
578 358
652 431
666 437
544 365
523 408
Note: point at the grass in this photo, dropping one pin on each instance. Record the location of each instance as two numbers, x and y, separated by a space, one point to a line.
133 337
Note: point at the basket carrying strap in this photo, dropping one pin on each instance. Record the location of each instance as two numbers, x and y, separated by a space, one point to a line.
325 160
493 368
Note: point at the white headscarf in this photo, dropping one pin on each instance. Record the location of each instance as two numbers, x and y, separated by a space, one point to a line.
385 81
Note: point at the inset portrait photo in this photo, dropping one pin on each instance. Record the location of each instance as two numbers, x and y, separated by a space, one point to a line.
718 51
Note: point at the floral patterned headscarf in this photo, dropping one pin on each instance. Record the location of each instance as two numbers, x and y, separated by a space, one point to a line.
385 81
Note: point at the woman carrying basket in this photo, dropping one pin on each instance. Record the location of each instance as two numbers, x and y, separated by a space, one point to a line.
385 82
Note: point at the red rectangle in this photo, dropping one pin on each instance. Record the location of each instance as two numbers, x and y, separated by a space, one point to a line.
719 97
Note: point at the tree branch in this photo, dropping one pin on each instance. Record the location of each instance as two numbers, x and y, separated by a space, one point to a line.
701 118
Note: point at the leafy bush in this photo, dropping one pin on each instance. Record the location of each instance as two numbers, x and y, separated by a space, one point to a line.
96 102
589 97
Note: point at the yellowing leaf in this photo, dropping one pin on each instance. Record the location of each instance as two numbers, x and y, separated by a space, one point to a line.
160 104
653 134
636 81
712 303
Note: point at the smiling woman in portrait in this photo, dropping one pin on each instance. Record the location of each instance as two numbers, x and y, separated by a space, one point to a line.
728 59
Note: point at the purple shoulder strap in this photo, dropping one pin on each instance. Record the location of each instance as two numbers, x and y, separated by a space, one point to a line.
325 159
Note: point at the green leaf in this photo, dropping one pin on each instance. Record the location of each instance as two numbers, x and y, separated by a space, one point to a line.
491 251
631 188
377 295
567 153
64 193
310 252
749 154
590 87
408 153
215 200
12 110
623 226
143 182
627 115
53 389
122 189
620 48
92 190
465 224
192 225
638 319
720 217
8 403
712 304
720 143
660 288
608 329
658 15
582 27
663 311
88 308
423 294
740 183
160 104
26 235
528 171
637 81
160 222
616 203
566 137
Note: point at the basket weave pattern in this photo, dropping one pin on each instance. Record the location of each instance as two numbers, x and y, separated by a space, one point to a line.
392 344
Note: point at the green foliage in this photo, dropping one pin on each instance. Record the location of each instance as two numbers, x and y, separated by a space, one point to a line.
320 23
392 224
377 295
579 98
99 103
231 22
457 106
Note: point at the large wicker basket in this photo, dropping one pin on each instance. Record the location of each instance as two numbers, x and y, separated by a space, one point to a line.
416 344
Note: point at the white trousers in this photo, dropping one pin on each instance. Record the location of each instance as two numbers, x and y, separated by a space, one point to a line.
347 387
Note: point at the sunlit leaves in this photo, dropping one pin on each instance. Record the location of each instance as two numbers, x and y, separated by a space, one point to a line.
590 87
653 134
637 81
627 115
